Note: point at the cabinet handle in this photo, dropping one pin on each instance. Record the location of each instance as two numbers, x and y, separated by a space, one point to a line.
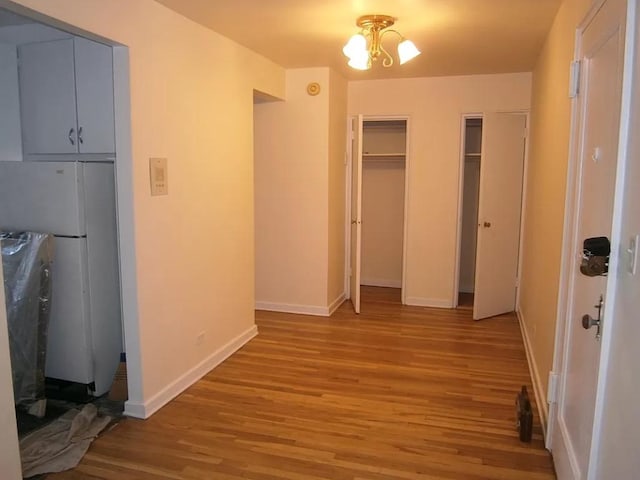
80 136
71 139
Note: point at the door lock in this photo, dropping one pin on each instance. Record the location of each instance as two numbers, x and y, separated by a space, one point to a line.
588 321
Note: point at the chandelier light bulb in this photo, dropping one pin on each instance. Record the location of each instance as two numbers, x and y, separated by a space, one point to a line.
357 45
406 51
360 61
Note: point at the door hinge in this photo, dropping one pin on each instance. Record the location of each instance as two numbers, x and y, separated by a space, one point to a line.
552 388
574 79
517 282
351 135
346 158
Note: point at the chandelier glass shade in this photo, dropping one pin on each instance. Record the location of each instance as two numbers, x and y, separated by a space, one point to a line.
365 47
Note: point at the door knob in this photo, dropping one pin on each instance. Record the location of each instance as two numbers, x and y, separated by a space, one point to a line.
486 224
588 321
353 222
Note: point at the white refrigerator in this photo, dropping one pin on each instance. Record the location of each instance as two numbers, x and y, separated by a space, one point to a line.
75 201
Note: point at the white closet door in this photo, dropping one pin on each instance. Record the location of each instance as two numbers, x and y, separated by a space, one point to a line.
48 97
499 209
356 211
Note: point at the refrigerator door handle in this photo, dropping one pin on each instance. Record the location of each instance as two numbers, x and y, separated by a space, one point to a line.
71 139
80 136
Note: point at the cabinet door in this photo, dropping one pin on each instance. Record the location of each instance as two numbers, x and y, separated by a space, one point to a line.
47 97
94 87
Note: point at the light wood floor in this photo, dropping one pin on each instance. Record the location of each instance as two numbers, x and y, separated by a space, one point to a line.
396 393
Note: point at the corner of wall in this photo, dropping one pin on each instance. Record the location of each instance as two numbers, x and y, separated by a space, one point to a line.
337 174
546 179
539 389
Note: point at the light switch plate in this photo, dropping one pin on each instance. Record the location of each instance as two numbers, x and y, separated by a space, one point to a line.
158 175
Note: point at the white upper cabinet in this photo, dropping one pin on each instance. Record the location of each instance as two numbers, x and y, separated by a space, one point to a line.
48 97
66 97
94 91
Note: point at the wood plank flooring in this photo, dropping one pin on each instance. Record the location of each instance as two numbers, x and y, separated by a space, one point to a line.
395 393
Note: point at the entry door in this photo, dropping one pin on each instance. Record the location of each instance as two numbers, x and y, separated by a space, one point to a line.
499 208
356 211
601 68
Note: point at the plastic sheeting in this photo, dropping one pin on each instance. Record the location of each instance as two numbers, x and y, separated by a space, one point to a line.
26 262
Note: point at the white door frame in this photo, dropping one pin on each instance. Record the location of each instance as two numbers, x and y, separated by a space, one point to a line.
456 276
570 229
123 167
461 167
349 170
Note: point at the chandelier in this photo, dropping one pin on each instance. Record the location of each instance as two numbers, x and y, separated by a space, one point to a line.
365 47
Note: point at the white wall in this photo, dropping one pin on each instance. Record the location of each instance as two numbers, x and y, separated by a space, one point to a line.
336 189
291 178
620 423
191 102
435 106
546 179
10 131
300 184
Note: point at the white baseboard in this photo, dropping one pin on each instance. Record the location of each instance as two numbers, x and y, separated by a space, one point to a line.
381 282
538 391
336 303
160 399
318 311
428 302
565 460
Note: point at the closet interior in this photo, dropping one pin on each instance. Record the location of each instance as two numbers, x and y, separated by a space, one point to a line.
470 196
384 149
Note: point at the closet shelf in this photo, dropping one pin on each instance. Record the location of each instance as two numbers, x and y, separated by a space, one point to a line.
382 155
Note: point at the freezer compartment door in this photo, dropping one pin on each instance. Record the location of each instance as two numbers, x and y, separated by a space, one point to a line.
42 197
69 355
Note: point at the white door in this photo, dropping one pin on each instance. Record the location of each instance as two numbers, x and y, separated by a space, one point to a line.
48 97
499 208
356 211
601 58
69 352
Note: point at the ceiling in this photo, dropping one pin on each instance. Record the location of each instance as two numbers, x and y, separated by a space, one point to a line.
456 37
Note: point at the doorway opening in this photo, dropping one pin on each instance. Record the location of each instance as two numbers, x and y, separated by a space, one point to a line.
472 148
491 191
76 186
378 205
